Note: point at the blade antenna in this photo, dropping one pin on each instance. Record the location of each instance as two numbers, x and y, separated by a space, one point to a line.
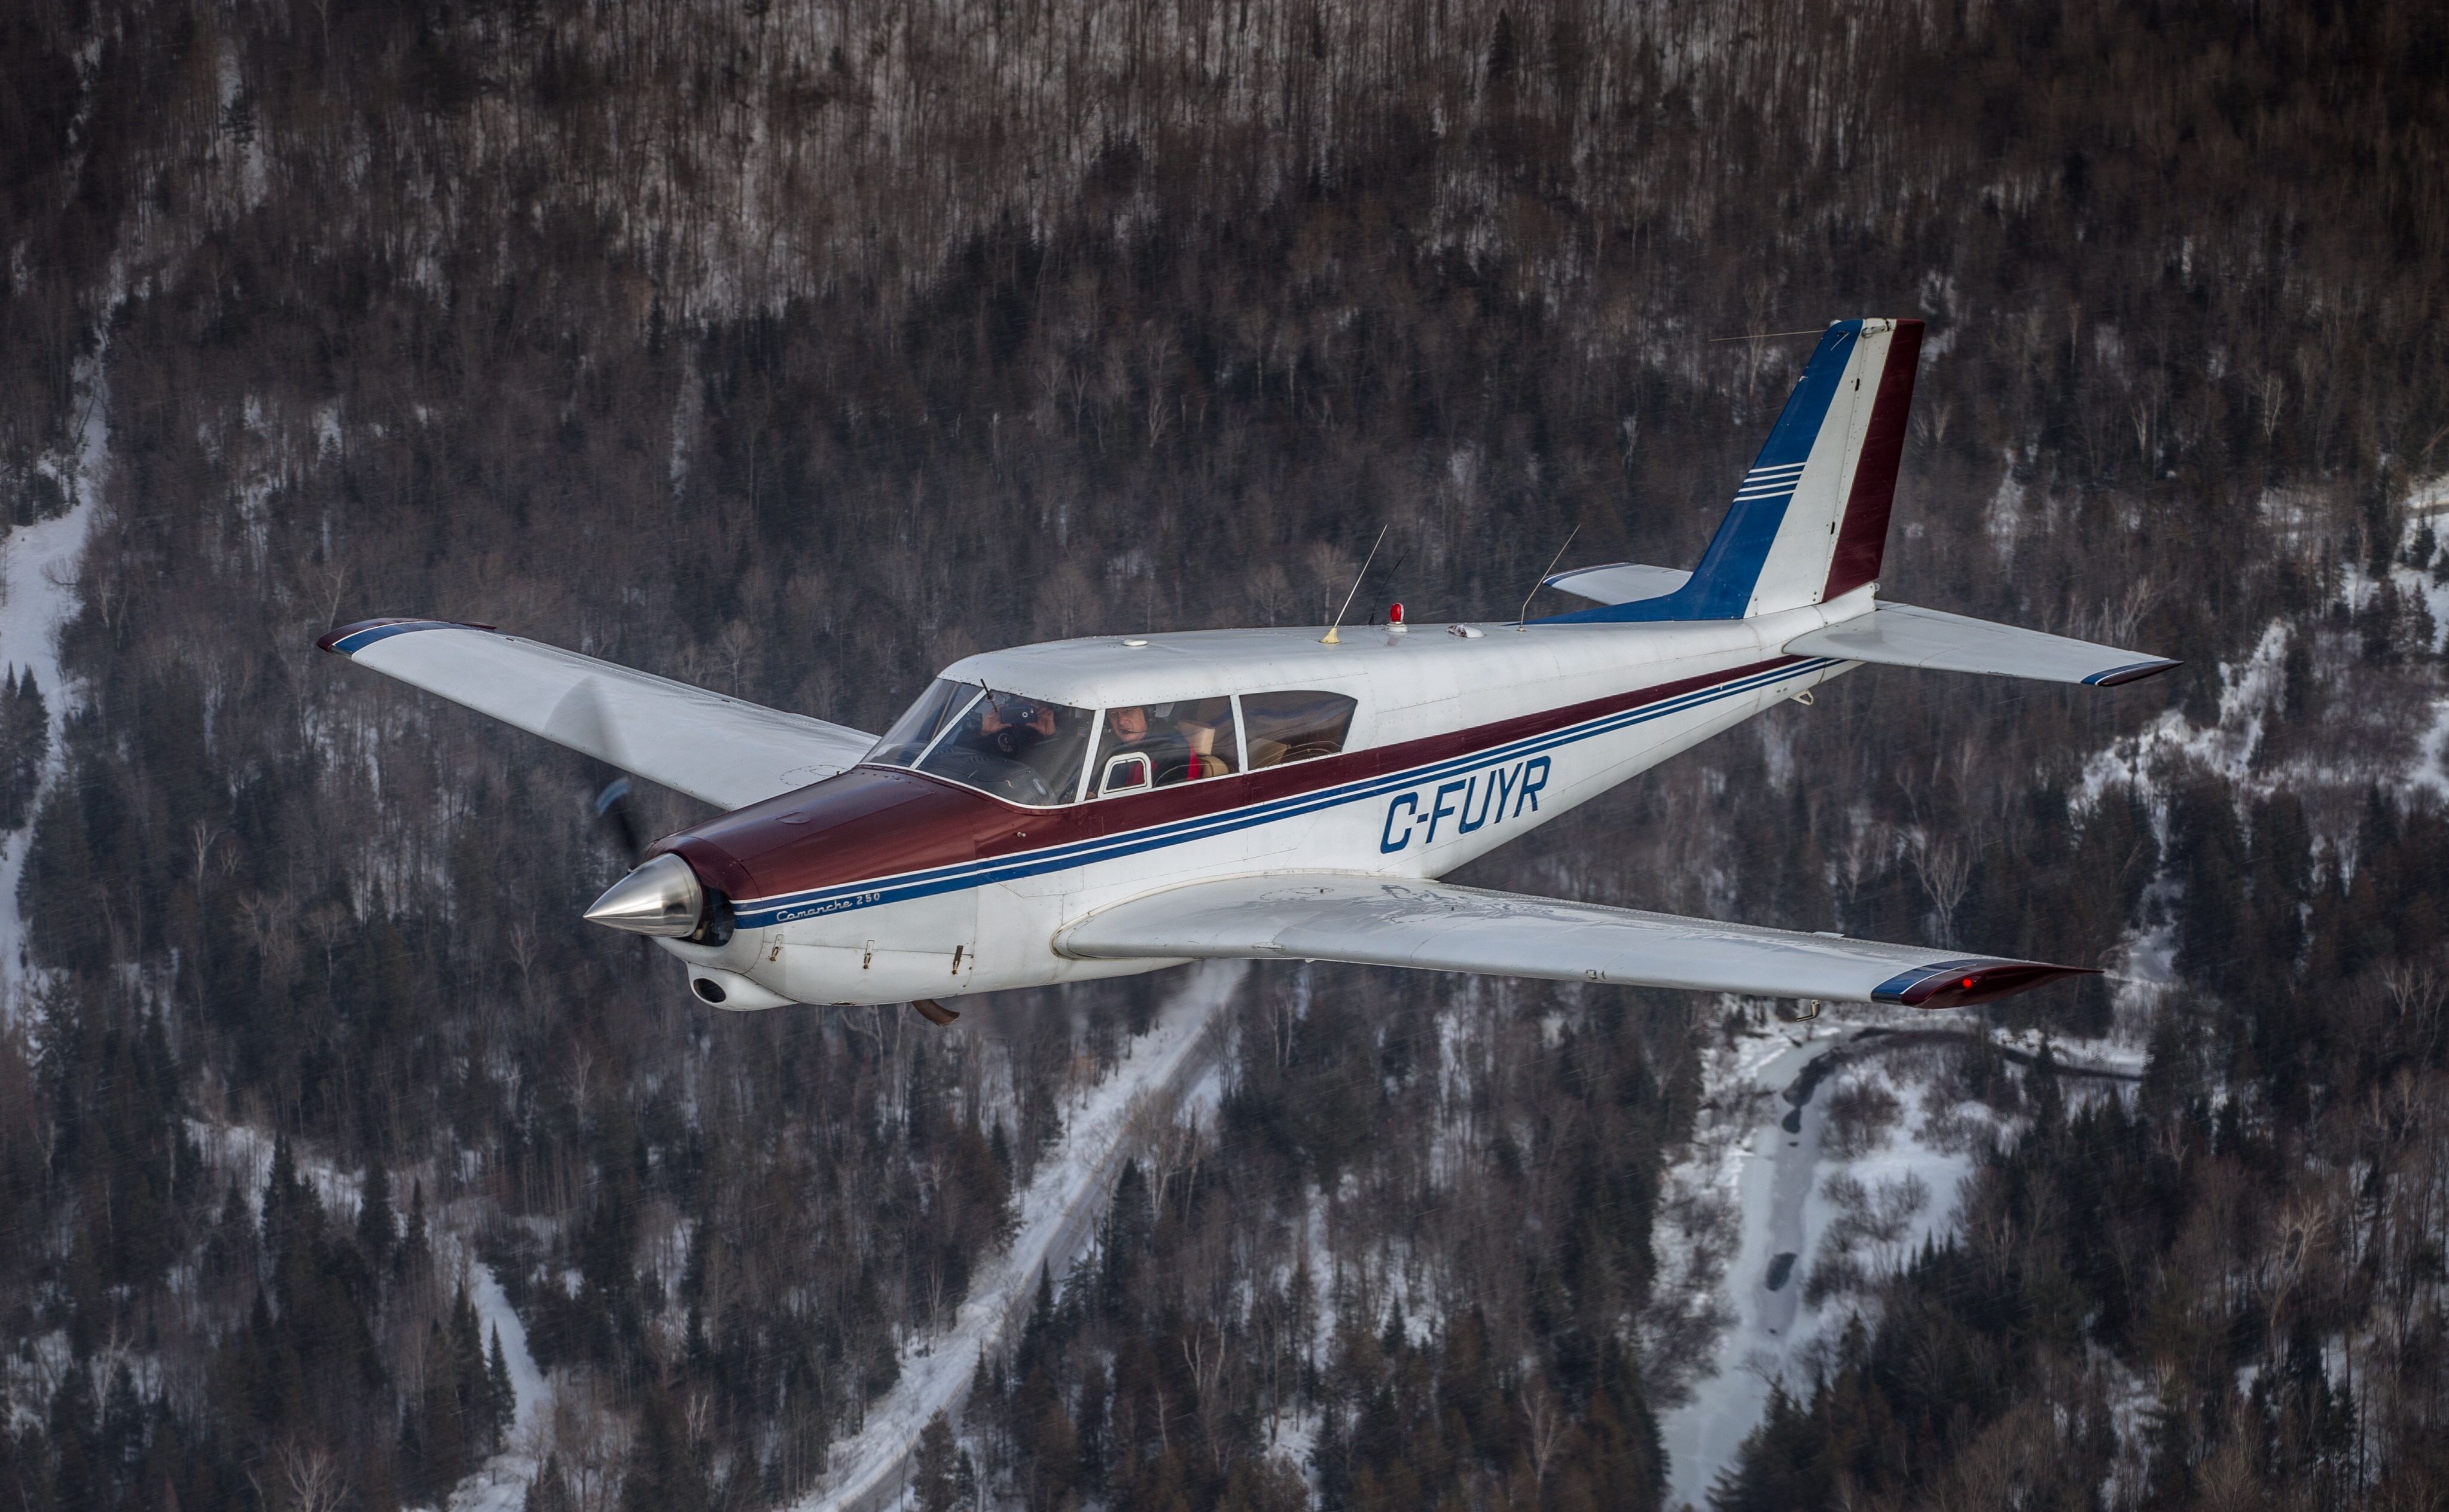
1331 638
1522 621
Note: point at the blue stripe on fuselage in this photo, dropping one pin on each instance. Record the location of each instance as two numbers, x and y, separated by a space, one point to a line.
870 892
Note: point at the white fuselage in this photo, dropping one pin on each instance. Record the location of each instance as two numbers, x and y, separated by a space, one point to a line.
1432 776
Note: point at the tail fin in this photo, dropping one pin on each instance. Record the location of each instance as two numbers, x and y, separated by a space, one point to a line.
1810 520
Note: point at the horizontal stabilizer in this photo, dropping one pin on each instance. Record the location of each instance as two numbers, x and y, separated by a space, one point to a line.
1380 921
725 751
1620 581
1899 635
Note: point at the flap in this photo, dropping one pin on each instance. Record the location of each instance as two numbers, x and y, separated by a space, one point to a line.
1899 635
1380 921
725 750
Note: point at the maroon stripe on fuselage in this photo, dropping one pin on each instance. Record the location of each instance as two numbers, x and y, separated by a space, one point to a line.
1862 538
873 822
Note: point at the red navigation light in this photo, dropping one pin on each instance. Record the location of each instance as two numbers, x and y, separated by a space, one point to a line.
1968 983
1394 615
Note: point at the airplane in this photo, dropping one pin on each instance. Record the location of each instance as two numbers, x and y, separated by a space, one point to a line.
1111 805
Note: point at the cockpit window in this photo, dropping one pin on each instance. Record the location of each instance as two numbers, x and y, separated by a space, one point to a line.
1294 726
943 703
1158 745
1023 749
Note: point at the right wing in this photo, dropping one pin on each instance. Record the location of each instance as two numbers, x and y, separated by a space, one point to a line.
1899 635
1384 921
726 752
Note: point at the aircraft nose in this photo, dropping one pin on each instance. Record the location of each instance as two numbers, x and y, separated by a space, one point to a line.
663 897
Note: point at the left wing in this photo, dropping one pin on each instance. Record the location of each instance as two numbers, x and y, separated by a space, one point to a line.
726 752
1380 921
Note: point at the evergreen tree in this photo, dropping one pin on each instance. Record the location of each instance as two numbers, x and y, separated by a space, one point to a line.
435 1458
1129 1221
415 1250
472 1383
277 1188
932 1471
81 1479
550 1490
665 1473
376 1231
24 745
506 1396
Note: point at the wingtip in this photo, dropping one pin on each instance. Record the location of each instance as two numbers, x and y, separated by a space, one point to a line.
2133 672
1965 983
349 640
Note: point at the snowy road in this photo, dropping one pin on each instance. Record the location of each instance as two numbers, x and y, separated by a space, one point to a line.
1773 1187
1793 1169
1058 1216
501 1484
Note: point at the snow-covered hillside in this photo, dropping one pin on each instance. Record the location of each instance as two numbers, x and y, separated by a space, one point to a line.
39 562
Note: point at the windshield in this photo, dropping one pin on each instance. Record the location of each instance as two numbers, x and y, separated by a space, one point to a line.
1026 750
937 707
1015 747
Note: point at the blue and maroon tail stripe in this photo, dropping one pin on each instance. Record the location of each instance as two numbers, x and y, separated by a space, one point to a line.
1862 539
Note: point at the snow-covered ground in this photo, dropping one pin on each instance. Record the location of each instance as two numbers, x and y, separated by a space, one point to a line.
1745 1156
501 1486
1777 1179
1058 1216
38 563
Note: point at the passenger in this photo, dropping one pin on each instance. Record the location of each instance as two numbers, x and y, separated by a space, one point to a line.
1169 755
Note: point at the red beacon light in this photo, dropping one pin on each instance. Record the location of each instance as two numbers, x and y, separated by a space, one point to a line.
1394 618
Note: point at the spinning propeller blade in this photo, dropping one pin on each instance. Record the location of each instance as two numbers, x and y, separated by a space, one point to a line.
579 721
612 809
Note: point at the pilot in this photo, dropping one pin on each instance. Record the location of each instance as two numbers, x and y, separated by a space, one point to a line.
1169 753
1008 728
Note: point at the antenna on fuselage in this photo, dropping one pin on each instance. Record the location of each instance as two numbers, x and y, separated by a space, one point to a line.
1522 621
1331 638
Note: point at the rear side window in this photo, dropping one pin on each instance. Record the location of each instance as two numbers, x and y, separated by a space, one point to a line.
1294 726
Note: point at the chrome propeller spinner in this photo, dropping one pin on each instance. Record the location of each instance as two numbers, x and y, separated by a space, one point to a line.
663 897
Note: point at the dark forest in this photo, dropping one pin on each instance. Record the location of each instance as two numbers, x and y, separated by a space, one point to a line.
796 346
